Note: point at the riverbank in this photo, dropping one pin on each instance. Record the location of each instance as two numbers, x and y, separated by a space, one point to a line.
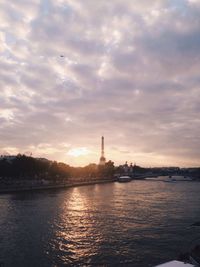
15 189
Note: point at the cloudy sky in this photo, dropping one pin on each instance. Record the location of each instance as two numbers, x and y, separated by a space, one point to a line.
73 70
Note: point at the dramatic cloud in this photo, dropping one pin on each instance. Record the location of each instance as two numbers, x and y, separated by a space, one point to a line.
73 70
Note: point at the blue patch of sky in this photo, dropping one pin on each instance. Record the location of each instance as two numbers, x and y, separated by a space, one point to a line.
10 38
180 5
45 6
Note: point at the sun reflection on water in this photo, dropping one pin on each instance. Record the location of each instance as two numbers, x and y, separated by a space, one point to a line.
75 233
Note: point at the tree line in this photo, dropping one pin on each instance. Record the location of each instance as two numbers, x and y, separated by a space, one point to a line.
27 167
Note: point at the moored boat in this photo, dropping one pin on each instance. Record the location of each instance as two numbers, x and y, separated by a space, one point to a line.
124 179
175 264
170 180
177 178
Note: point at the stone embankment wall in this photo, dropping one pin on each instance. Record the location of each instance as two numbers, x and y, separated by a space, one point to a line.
33 187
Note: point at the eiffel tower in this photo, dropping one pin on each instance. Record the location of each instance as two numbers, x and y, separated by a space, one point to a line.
102 160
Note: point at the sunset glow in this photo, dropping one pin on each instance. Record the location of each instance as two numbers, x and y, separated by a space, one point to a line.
79 151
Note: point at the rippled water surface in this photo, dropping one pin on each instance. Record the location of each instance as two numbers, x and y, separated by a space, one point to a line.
141 223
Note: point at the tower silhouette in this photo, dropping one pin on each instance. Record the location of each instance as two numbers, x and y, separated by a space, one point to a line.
102 160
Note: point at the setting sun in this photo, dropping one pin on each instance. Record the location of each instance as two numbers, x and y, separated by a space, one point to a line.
78 151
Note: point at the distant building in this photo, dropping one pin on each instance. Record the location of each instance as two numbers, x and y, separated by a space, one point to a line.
126 168
8 158
102 160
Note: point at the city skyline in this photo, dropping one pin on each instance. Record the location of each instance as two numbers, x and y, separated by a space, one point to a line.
128 70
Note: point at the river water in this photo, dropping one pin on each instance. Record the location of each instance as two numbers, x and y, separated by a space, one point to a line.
141 223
